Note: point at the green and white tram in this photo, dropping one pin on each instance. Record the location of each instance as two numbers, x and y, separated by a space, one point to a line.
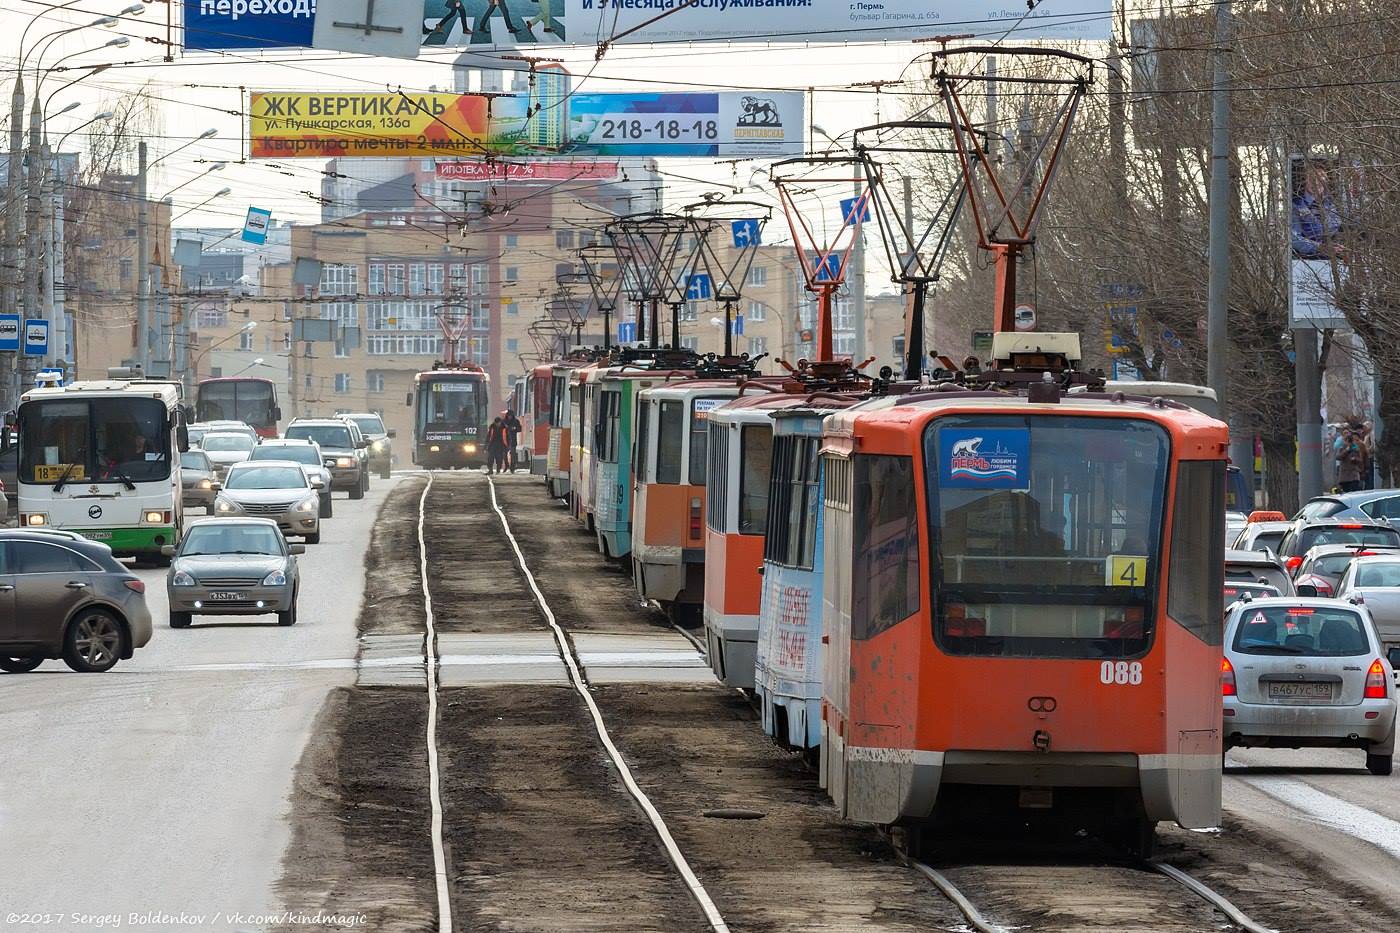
102 459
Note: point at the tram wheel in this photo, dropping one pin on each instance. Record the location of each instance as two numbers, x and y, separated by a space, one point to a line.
1139 837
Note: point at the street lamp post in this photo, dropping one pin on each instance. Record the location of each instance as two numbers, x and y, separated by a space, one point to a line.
193 369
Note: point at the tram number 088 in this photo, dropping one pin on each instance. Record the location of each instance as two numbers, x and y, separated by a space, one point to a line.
1121 672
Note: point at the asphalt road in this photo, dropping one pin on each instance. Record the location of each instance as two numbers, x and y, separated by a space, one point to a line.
160 788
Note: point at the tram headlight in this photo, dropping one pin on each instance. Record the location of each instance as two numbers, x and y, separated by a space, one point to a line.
181 579
34 519
468 448
434 449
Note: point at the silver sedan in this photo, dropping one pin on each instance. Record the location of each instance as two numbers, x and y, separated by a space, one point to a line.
233 566
273 489
1307 673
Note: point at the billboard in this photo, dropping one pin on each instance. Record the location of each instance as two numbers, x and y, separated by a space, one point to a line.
248 24
326 125
542 123
1320 210
486 25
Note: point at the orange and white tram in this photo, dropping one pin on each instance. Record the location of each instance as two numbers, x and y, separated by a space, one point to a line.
1023 602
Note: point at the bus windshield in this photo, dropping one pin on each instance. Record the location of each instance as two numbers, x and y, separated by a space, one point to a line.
449 405
94 440
1046 533
248 400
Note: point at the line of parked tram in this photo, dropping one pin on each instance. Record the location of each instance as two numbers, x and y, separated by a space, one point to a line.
982 595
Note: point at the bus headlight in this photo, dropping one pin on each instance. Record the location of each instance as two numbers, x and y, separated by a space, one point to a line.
34 519
181 579
156 518
345 463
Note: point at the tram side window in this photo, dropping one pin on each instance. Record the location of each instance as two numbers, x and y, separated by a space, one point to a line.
610 417
757 459
668 442
802 504
642 440
717 489
885 571
1195 593
775 544
699 437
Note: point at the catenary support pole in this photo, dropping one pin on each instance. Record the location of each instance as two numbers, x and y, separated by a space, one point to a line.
857 275
1308 394
1218 285
9 273
143 259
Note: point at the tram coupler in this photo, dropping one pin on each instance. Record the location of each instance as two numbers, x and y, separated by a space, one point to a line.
1041 740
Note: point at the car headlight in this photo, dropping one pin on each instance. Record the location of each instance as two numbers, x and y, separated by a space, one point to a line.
309 505
226 506
276 578
181 579
206 484
380 445
345 462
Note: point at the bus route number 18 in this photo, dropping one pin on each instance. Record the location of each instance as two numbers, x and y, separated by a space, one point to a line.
1121 672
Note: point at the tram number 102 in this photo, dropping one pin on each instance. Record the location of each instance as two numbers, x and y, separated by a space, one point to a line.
1121 672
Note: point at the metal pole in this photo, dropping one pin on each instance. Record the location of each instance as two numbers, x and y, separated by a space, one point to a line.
914 323
858 279
33 226
1308 394
46 293
56 302
9 274
143 246
729 328
655 323
1217 307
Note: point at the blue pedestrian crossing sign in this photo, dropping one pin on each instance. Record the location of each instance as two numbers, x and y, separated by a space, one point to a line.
848 209
697 287
627 332
830 268
36 337
746 232
9 333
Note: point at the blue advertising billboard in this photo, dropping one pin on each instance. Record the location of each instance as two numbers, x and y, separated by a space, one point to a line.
248 24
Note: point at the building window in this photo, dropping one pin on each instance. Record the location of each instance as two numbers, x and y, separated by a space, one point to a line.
307 381
417 278
757 312
564 239
346 312
510 306
758 276
376 279
758 346
478 350
479 279
481 316
512 240
341 351
245 341
690 343
691 311
512 274
210 317
457 277
394 275
512 346
435 274
376 381
339 279
126 265
843 344
842 315
287 342
342 382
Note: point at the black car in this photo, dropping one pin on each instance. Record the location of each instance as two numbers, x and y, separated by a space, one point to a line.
1306 535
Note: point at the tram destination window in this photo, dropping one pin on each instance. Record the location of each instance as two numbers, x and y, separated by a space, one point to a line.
1045 534
668 442
1196 578
885 565
700 409
756 442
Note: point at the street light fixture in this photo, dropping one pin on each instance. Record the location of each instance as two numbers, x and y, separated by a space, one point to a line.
104 115
215 167
217 194
253 365
207 134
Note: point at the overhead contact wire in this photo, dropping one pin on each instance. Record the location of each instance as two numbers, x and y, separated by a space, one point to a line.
580 685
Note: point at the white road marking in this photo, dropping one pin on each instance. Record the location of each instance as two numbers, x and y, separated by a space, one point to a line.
1333 812
697 889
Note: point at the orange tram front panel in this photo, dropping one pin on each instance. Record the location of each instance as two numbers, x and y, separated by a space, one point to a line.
1024 605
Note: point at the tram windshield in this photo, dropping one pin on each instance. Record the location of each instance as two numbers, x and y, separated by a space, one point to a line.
450 406
94 440
1047 533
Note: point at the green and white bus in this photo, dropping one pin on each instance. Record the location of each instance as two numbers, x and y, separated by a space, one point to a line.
102 459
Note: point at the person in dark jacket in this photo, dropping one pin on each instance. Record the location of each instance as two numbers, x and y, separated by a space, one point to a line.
496 446
513 429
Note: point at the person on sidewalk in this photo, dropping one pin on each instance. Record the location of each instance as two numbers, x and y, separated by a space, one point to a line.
496 447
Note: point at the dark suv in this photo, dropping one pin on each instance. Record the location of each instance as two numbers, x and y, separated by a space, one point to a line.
1306 535
381 450
340 449
62 596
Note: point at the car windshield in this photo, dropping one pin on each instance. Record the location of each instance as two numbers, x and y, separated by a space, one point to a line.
194 460
228 442
267 477
247 400
1377 574
369 424
326 435
300 453
1300 630
213 538
102 439
1346 534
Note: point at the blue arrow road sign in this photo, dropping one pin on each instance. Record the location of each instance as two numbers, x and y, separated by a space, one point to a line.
848 209
627 332
36 337
697 287
830 268
746 232
737 325
9 333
